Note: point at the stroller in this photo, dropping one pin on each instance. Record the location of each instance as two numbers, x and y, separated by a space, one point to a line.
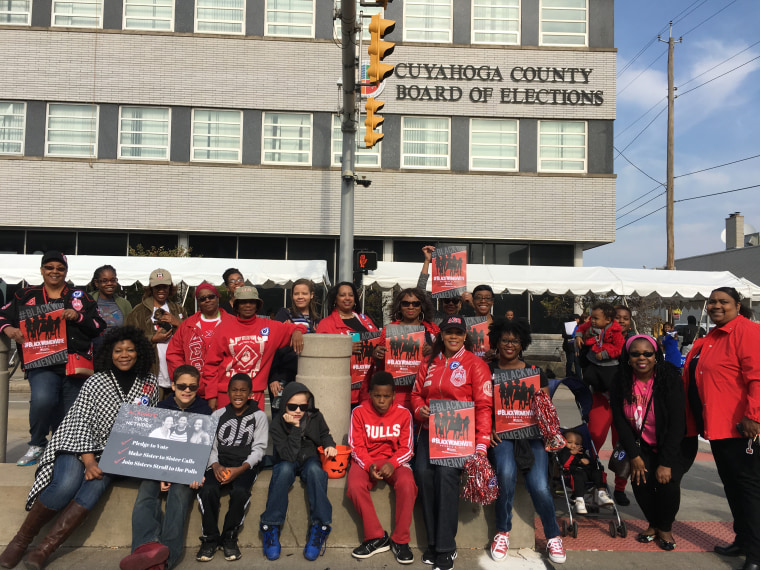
583 400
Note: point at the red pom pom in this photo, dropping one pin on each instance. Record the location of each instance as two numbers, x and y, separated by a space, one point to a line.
481 486
548 422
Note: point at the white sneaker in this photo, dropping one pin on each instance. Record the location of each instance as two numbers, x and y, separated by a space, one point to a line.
556 550
603 499
31 456
499 546
580 506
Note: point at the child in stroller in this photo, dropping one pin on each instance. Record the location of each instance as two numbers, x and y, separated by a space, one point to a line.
580 469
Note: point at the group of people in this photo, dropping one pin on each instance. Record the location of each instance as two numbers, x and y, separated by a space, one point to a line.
222 363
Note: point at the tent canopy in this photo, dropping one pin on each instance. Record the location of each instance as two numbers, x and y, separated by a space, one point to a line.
538 280
189 270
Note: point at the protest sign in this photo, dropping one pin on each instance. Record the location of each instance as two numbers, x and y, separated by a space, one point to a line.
44 330
403 352
452 432
449 271
477 328
361 363
512 395
159 444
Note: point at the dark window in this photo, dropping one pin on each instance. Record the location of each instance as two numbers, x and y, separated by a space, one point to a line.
516 303
40 242
11 241
506 254
93 243
314 248
210 245
558 255
410 250
273 300
542 323
148 241
375 245
254 247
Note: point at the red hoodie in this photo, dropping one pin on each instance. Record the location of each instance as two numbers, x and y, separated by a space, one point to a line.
377 439
243 346
610 341
189 345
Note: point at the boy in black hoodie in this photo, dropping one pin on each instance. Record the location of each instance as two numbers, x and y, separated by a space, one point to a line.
296 433
239 444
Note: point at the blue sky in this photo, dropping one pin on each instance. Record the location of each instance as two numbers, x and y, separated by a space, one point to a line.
717 123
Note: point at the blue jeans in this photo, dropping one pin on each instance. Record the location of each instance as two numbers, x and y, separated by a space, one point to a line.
52 395
69 484
150 525
536 480
283 476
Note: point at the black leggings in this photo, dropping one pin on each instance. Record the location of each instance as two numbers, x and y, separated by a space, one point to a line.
660 503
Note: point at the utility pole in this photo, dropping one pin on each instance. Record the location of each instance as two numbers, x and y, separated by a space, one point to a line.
348 127
669 194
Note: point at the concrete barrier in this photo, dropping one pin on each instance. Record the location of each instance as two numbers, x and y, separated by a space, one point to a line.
110 522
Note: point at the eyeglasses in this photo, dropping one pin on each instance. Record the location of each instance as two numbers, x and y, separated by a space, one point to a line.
238 281
511 341
299 407
451 301
411 303
478 298
636 354
53 268
183 387
207 298
109 281
160 287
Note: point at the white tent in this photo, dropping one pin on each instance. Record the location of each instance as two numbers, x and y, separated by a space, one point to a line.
189 270
537 280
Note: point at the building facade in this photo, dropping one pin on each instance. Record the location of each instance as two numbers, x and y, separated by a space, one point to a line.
213 124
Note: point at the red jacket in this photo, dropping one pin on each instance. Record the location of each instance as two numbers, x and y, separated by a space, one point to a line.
187 345
377 439
243 346
728 376
434 383
612 340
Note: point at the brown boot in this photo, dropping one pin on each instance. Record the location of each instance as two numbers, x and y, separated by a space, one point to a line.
71 517
35 520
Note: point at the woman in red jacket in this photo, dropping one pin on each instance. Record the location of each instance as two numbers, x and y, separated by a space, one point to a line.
344 319
723 371
453 372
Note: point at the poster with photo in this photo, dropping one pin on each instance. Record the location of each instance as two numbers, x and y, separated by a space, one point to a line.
452 432
449 271
158 444
477 328
513 392
403 352
44 330
361 363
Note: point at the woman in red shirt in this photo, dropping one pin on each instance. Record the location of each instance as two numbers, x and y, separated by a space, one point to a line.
722 373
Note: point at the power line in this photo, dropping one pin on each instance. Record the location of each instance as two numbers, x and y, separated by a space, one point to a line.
718 166
709 18
655 60
719 64
641 218
637 168
718 76
639 198
642 130
641 116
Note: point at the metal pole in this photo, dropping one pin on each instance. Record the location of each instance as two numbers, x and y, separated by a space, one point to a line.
348 127
5 379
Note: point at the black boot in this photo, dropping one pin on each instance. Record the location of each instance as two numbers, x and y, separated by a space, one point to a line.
71 517
35 520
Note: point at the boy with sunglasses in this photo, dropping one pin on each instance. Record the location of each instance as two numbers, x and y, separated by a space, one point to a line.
297 433
156 538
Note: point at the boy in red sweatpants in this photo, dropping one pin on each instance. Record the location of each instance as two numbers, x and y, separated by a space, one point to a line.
381 445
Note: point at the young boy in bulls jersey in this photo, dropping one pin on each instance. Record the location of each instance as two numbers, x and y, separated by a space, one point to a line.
381 442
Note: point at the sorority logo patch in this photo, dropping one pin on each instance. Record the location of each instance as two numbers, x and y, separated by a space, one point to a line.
31 301
77 293
265 331
459 377
159 275
77 304
454 365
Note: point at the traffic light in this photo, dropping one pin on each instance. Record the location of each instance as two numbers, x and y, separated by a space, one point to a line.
372 106
378 48
365 261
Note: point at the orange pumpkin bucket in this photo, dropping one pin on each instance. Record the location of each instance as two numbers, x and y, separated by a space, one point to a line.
335 467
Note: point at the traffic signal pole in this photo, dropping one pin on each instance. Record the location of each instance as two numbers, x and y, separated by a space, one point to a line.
348 127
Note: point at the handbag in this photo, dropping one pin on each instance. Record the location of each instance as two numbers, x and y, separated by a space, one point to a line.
620 463
79 366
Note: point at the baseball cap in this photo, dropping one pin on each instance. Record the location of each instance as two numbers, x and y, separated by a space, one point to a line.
453 322
55 256
247 292
160 277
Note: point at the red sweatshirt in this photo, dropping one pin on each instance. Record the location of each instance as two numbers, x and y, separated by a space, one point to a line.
377 439
243 346
610 342
189 345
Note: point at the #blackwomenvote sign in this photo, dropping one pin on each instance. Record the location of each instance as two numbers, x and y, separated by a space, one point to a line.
452 432
403 352
158 444
513 392
477 329
361 363
449 271
44 330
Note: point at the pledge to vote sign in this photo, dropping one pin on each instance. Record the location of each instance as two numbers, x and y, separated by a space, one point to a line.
158 444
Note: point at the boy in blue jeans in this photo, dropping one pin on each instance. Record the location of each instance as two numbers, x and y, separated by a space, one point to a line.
296 433
239 444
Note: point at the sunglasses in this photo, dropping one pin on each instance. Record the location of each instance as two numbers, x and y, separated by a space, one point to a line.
58 268
206 298
183 387
451 301
299 407
411 303
636 354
